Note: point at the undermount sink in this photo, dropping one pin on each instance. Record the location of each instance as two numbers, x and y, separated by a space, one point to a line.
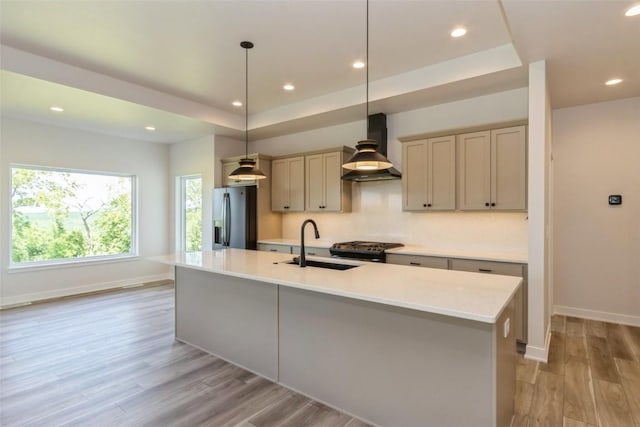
323 264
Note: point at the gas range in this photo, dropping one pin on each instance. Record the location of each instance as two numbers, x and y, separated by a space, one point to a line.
369 251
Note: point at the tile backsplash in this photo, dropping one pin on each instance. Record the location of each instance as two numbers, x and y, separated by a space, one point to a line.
377 215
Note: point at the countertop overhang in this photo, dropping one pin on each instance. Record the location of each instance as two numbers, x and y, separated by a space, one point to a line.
471 296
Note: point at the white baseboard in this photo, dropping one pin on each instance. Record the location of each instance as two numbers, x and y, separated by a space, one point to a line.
539 354
604 316
7 302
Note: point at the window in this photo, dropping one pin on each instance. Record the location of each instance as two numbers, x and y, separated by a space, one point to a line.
191 213
60 215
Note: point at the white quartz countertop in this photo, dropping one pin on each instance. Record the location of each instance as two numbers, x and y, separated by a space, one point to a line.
472 296
479 254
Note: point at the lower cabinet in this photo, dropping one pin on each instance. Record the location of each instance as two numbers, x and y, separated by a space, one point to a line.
295 250
267 247
418 261
478 266
311 251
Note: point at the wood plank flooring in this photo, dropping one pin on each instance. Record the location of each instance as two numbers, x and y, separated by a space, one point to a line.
111 360
592 377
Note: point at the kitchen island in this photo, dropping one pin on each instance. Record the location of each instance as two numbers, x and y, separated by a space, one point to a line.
393 345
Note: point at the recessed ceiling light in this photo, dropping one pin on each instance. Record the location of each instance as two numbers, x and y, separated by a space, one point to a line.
150 128
613 82
56 109
288 86
358 64
458 32
236 104
633 11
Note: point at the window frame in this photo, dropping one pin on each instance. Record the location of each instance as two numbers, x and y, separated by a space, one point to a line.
182 210
133 253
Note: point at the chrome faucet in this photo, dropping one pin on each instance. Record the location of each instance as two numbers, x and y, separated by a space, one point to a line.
303 259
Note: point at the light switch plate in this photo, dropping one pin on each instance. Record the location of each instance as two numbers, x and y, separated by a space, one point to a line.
506 327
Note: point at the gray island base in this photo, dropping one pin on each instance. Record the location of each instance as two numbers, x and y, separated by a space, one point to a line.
387 365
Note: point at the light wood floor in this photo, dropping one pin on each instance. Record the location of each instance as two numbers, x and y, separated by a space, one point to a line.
592 378
111 360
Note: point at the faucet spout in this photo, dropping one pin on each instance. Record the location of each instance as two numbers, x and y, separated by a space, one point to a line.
303 259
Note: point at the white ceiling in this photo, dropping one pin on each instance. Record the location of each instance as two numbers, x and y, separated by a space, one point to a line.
118 66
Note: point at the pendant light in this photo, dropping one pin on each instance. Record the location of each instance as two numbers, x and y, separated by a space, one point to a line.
366 157
247 170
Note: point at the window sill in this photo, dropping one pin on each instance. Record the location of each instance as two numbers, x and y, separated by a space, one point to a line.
52 265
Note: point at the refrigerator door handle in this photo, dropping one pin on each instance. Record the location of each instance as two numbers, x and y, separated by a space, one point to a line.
226 220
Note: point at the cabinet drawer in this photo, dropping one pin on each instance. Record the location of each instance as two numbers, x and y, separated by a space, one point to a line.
285 249
492 267
311 251
505 269
418 261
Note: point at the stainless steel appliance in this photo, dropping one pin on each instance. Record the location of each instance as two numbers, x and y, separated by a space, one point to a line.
235 217
369 251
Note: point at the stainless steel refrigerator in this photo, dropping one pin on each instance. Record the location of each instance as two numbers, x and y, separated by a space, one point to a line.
235 217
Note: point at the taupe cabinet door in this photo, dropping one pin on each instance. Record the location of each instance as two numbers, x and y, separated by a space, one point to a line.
429 177
474 168
323 186
492 169
509 171
287 188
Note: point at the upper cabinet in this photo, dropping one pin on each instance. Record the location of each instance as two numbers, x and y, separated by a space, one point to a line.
429 175
492 169
287 184
324 189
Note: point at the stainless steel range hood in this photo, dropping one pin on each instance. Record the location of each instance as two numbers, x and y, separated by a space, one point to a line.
377 129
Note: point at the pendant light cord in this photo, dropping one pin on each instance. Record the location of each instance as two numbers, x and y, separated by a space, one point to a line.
367 73
246 101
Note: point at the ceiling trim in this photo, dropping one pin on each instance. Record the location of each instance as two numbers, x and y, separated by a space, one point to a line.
495 60
43 68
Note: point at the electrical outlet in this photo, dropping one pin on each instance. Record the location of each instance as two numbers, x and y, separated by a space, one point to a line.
506 327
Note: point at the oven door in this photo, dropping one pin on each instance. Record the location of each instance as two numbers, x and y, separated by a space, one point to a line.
358 256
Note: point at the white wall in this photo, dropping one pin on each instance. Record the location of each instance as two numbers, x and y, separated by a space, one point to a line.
596 246
193 157
538 202
377 213
35 144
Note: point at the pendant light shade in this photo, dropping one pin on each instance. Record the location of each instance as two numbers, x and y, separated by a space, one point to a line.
367 157
247 170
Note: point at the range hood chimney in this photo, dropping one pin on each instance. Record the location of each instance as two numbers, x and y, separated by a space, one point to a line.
376 129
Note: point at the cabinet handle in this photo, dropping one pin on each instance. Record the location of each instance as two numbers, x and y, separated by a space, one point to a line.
311 253
424 205
414 263
486 204
429 205
493 204
273 250
484 270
